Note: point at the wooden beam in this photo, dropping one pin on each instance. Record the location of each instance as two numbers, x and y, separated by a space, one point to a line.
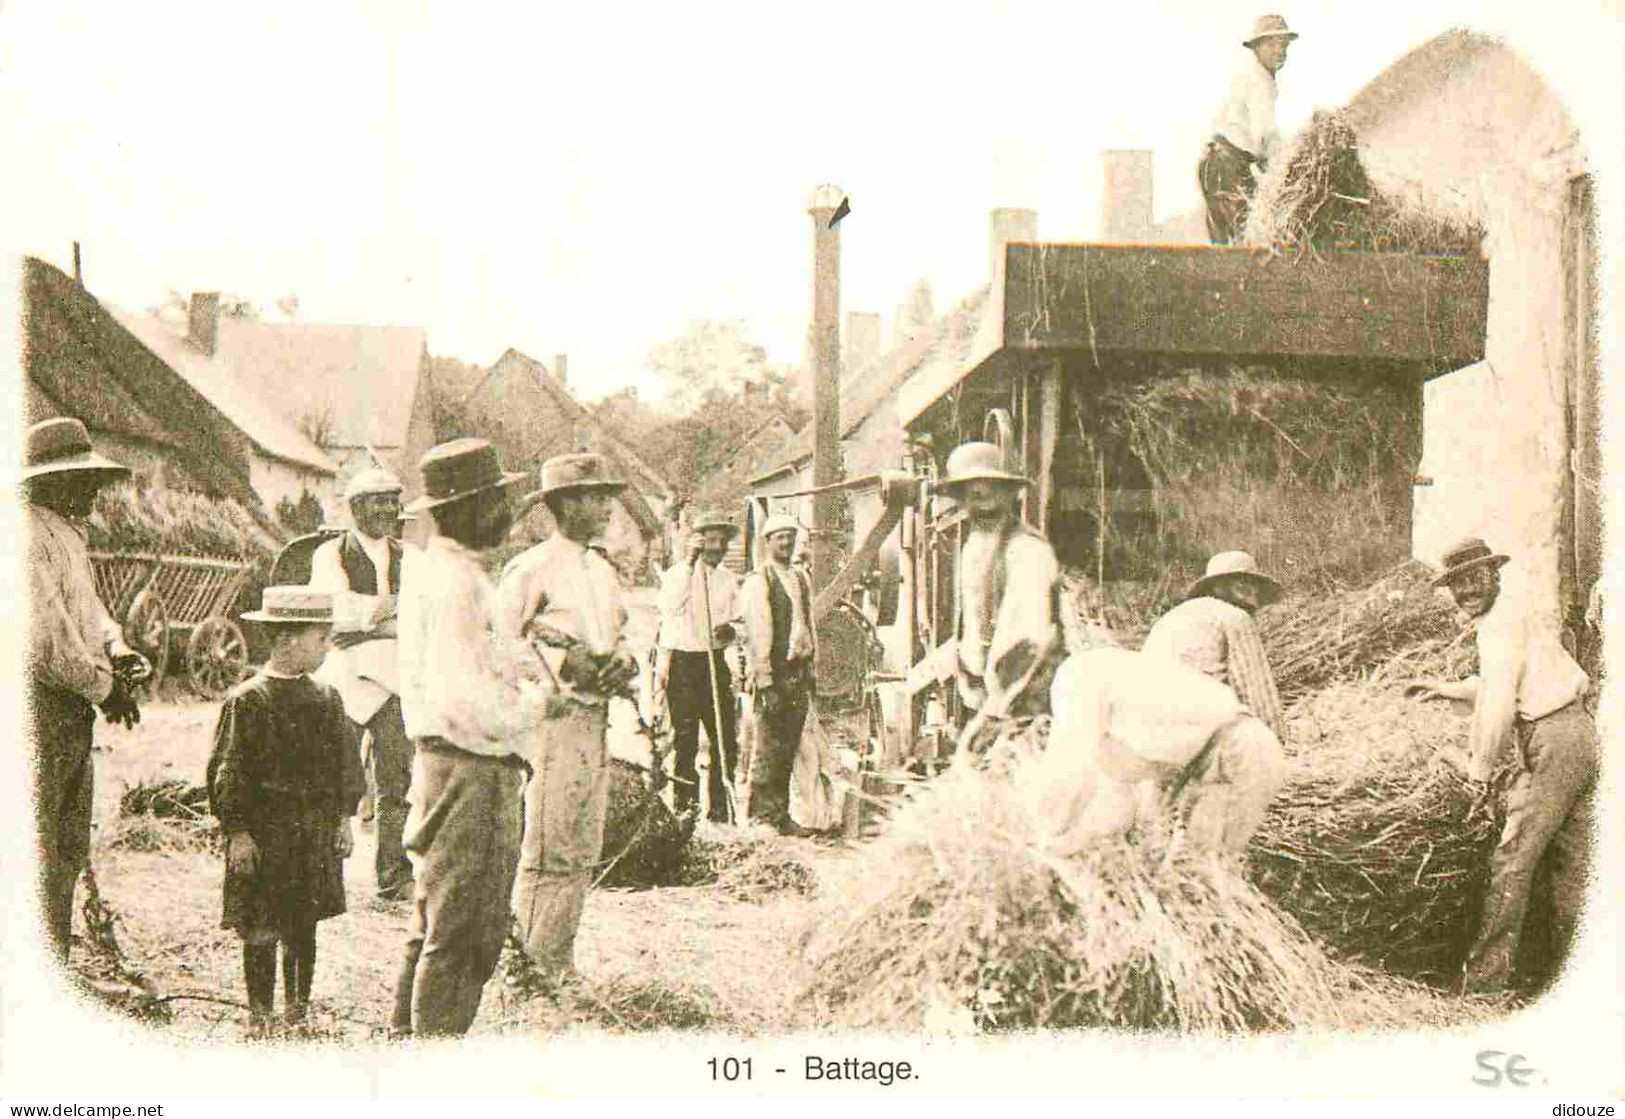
843 580
1429 311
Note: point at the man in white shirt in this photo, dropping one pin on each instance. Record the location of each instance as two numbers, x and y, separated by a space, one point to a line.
468 711
699 604
362 571
1009 636
1213 632
77 659
1138 738
1528 707
781 649
559 604
1244 138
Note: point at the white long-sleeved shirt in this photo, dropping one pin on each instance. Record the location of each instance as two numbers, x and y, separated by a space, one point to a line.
682 605
564 586
1221 641
69 628
1246 116
1022 616
459 677
365 675
1523 673
801 643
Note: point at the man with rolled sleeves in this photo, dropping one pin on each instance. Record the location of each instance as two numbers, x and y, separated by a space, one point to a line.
468 711
699 606
781 647
77 658
559 603
1245 137
362 570
1528 708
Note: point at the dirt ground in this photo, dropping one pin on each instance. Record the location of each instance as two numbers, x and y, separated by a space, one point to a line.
736 959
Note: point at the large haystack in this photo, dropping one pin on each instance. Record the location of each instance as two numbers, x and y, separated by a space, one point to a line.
958 916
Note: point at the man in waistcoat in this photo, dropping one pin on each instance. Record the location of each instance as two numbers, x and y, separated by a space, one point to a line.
362 570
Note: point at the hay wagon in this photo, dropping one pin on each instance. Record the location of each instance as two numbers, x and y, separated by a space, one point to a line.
167 601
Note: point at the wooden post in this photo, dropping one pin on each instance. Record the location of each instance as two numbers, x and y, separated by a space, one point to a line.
1049 430
1100 522
825 353
907 616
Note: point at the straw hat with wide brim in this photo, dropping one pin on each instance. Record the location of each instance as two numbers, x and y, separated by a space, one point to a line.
458 469
571 473
714 522
1269 27
62 446
971 462
1238 567
293 605
1465 555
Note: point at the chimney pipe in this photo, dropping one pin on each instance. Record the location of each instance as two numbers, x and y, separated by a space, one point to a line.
862 339
203 320
78 273
561 368
824 342
1006 224
1128 200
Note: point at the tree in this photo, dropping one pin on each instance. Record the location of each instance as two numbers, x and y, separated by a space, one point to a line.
709 359
915 313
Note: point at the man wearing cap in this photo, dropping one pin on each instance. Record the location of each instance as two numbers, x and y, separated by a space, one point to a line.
467 710
1213 631
1008 590
1244 138
781 646
77 658
559 604
1529 696
362 570
699 604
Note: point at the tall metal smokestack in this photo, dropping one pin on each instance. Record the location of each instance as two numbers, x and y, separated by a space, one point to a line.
824 346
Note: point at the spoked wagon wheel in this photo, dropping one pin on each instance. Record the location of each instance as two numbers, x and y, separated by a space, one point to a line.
146 630
216 657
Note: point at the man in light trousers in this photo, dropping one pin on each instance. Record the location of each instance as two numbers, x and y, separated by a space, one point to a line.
560 603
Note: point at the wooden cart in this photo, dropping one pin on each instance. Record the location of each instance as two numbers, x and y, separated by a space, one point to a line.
165 601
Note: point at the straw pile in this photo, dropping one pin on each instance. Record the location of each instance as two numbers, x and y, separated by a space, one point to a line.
643 842
169 815
750 863
129 518
1312 477
1377 844
533 1000
1317 197
1396 627
958 914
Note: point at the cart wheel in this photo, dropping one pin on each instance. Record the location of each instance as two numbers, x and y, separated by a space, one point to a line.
216 657
146 630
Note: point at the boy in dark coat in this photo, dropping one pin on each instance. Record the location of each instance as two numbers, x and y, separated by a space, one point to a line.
284 780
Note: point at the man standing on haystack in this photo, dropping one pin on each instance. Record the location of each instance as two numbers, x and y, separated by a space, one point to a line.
362 571
1009 636
699 605
560 604
1529 694
1245 137
467 711
77 658
1213 632
781 647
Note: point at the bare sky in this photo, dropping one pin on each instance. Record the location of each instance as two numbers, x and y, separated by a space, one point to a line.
588 179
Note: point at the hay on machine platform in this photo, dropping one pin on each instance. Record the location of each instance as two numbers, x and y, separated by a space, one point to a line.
1318 197
957 919
1377 844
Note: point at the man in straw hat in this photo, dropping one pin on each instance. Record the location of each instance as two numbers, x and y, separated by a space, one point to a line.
781 647
1213 632
560 603
1244 138
362 570
1528 695
77 657
699 606
467 711
1008 592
